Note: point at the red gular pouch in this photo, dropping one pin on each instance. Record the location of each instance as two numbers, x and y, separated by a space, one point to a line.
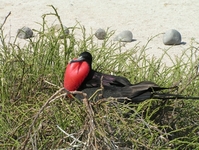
75 74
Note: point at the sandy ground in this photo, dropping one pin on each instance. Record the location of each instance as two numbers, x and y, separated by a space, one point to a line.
144 18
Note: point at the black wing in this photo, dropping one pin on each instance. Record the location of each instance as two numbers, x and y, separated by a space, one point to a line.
97 79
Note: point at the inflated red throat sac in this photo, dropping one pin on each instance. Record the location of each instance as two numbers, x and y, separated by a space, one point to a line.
75 74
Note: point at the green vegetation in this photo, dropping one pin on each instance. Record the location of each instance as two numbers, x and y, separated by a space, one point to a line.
36 114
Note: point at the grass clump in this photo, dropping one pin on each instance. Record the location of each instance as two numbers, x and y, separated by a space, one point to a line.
36 114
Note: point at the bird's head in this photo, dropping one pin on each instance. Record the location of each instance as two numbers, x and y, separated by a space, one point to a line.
85 56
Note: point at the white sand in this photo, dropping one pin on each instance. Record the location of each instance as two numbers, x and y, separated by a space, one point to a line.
144 18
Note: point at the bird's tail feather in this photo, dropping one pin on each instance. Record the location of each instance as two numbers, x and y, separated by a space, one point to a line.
165 96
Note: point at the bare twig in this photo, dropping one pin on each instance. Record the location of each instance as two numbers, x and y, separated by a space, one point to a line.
51 99
51 83
101 82
99 90
54 96
91 123
69 135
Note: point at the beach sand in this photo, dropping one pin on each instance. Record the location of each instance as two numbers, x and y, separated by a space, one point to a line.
145 19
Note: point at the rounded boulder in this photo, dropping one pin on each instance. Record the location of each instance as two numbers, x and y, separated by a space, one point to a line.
172 37
24 33
100 34
124 36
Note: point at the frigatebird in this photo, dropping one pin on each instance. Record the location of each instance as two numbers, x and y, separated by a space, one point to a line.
80 76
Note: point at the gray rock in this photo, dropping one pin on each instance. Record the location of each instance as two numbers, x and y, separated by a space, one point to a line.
100 34
24 33
57 29
172 37
124 36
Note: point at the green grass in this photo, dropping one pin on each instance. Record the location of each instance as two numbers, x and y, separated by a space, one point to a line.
36 114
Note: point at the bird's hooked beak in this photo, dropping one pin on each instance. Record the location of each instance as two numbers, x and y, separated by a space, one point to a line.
79 59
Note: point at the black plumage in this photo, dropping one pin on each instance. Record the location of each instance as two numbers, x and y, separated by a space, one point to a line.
120 87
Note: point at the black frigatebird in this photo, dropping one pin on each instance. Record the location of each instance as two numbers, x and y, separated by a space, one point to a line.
80 76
